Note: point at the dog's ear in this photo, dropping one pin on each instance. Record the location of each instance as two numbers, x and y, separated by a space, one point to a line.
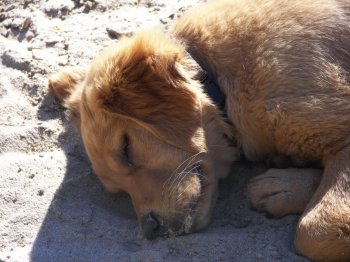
66 87
150 86
160 101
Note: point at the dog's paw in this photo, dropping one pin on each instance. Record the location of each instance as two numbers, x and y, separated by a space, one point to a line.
280 192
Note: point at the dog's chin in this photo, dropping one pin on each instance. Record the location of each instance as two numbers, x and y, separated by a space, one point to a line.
194 220
204 209
197 212
199 216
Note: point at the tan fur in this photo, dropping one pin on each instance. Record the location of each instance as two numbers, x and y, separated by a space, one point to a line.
284 191
143 88
284 67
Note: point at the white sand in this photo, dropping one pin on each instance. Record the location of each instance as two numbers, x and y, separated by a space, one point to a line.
52 208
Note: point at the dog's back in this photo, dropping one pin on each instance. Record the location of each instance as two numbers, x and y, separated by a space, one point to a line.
284 68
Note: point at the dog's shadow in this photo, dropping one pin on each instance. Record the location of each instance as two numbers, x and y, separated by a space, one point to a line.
85 223
81 212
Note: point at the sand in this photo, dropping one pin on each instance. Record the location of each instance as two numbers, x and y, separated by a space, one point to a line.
52 207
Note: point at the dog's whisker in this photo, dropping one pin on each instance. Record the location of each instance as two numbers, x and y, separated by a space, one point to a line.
201 193
184 173
180 174
172 173
179 196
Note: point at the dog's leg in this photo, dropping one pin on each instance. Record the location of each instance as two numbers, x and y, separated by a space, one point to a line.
283 191
323 232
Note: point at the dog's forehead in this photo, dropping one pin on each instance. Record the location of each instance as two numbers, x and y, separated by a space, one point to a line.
95 123
103 131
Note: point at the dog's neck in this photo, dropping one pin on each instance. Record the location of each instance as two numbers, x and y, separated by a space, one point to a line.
209 83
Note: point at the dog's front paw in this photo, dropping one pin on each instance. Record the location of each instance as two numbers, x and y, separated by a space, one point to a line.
280 192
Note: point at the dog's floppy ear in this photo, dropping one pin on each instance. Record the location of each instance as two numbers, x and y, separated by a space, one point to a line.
150 86
66 87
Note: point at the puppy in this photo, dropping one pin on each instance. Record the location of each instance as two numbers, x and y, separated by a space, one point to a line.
150 128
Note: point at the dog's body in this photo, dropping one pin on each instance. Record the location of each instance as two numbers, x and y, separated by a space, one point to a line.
284 67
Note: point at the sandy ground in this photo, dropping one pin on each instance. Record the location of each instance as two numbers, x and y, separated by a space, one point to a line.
52 207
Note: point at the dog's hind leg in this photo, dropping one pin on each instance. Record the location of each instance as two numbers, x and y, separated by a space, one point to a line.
280 192
323 232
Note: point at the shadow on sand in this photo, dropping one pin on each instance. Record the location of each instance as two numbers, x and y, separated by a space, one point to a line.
82 216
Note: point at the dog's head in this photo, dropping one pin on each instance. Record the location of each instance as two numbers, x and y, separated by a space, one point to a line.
149 130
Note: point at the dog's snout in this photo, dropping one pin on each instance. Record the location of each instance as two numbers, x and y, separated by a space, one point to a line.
150 225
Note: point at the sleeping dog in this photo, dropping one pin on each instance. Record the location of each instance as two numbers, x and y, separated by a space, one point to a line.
150 127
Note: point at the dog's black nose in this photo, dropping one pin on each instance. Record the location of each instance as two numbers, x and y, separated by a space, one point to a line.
150 226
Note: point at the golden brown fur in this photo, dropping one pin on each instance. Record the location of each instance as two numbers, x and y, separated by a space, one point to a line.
284 67
139 96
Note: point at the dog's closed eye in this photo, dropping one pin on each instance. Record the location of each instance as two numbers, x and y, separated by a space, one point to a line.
126 151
